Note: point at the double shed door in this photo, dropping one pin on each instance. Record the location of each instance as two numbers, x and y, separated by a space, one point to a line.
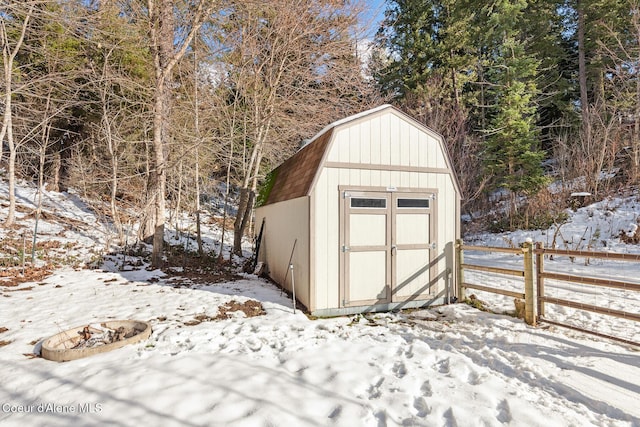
387 244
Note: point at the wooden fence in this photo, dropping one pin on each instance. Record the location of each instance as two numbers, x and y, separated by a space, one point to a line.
533 275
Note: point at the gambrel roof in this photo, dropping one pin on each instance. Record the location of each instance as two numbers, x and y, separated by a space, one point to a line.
295 177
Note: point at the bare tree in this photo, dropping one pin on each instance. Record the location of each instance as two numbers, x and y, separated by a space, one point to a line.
293 68
167 49
9 52
449 117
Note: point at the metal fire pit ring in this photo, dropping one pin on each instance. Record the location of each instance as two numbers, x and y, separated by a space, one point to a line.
64 346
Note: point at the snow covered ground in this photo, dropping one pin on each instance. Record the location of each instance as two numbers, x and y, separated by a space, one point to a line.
446 366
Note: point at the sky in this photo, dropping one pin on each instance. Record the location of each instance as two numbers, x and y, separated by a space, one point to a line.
374 14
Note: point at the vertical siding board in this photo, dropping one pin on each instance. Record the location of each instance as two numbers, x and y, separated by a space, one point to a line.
439 159
433 152
385 136
354 177
322 219
375 178
375 140
394 140
365 142
424 150
404 136
394 179
332 283
414 180
365 178
414 146
342 141
385 178
334 148
354 144
405 179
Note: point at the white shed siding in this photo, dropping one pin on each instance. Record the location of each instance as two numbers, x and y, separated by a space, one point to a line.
383 139
386 139
285 222
327 245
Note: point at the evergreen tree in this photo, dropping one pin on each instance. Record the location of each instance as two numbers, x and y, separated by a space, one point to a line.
425 40
512 156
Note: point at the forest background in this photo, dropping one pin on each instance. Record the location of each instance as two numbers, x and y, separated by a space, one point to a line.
150 108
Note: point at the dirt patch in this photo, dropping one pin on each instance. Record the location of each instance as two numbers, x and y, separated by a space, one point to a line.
3 329
188 278
197 269
12 277
250 308
3 343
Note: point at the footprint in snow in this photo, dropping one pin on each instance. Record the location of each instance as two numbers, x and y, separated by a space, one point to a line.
475 378
443 366
504 412
381 416
425 389
374 389
409 352
420 405
449 418
399 369
254 344
335 413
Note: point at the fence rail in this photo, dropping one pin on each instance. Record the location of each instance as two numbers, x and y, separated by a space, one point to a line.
534 293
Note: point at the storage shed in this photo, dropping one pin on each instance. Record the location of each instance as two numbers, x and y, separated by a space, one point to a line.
372 206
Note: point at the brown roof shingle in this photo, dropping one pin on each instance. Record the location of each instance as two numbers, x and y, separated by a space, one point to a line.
295 176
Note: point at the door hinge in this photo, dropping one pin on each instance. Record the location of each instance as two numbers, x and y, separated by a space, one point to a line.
345 195
433 245
344 302
434 197
345 248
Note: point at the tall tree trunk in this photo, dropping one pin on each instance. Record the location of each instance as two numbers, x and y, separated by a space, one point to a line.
196 119
113 157
165 57
636 117
8 55
582 73
178 200
147 220
158 173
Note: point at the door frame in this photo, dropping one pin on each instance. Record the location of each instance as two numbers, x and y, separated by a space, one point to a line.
392 194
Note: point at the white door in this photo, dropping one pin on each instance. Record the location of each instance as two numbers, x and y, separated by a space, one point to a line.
386 246
411 245
367 248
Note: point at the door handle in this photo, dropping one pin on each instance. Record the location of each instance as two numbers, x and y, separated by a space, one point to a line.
394 249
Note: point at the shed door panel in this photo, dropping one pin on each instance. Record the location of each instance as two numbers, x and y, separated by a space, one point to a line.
411 255
367 248
411 243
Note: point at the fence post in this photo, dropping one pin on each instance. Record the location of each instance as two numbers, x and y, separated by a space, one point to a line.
539 278
459 272
529 294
